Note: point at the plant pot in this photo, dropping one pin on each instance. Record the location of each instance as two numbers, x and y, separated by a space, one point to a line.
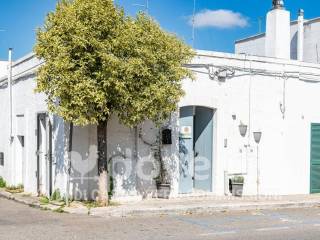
237 189
163 190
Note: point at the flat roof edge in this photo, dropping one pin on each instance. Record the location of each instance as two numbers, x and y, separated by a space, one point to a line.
247 57
260 35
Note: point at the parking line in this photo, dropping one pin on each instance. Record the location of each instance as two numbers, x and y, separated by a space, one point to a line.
271 229
217 233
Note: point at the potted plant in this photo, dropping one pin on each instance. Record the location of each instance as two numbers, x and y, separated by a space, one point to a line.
237 185
163 186
163 189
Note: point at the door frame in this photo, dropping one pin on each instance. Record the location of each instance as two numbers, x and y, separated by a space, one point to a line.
214 143
49 160
310 174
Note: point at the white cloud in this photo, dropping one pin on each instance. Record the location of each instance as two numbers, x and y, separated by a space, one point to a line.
220 18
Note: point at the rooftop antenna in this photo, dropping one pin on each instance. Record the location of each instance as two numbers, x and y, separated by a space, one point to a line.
193 23
260 24
145 6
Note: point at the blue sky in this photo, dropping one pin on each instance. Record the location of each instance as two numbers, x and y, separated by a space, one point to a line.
219 22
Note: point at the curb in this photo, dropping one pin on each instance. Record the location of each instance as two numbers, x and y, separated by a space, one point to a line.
10 196
169 211
200 209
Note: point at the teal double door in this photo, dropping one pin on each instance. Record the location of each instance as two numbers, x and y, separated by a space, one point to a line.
315 158
195 148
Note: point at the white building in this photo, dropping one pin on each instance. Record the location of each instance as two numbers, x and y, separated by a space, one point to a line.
303 43
269 93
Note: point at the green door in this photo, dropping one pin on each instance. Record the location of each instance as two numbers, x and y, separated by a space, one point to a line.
315 158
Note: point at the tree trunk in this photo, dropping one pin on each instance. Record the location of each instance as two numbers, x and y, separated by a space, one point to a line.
102 163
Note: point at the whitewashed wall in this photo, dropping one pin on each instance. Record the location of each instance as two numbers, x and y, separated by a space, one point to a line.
133 174
255 100
312 41
4 139
83 181
255 45
26 104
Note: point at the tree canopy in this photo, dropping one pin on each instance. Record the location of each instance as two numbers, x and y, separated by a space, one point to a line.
100 62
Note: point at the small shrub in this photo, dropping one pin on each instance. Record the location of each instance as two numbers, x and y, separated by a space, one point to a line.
56 195
59 210
44 200
111 187
91 204
238 179
15 189
2 183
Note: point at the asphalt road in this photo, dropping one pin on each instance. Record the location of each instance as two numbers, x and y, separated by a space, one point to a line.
22 222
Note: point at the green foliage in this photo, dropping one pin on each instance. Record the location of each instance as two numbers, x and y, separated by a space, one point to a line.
56 195
2 183
15 189
44 200
59 210
99 62
111 187
238 179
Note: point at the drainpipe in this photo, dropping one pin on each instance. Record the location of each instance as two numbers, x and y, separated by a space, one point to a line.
11 113
10 93
300 40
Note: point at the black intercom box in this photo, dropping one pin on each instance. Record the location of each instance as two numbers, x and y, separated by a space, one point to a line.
167 136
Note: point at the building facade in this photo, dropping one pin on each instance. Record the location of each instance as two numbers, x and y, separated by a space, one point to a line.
235 98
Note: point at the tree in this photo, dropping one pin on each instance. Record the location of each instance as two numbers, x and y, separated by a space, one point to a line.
99 62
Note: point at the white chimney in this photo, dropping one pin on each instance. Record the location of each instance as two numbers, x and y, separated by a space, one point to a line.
300 38
278 31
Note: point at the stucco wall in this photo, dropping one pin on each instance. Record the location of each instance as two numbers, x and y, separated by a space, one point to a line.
255 45
20 167
274 96
312 42
255 100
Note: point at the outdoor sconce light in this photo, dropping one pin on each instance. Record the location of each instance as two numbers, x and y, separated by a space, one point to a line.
257 136
243 129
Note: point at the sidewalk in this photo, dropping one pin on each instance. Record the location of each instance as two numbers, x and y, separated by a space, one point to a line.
188 205
192 205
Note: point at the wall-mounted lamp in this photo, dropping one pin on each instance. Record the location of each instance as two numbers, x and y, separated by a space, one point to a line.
243 129
257 136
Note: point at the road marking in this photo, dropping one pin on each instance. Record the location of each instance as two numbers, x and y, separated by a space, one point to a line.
271 229
290 220
217 233
257 214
